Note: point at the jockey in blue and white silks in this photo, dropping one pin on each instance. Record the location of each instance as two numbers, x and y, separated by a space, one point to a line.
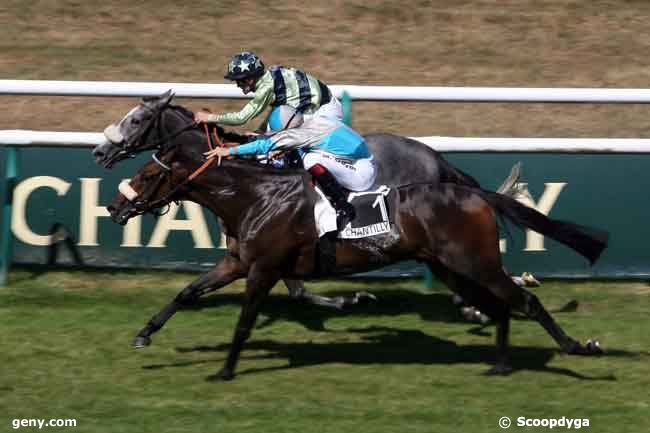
335 154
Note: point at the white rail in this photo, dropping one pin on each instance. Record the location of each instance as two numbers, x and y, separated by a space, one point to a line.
369 93
26 138
360 93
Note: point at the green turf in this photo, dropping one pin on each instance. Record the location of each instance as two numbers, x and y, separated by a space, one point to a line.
407 363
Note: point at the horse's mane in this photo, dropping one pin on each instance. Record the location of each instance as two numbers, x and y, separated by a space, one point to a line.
183 111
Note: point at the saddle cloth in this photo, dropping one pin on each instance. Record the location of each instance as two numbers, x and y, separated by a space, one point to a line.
373 216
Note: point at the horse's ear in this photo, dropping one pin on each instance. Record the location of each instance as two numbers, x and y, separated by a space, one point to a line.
160 101
166 97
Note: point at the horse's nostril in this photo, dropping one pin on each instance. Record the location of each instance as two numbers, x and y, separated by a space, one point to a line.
110 209
97 153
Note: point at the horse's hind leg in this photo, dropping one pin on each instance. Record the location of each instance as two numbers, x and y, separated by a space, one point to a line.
535 310
471 252
502 365
485 300
522 300
226 271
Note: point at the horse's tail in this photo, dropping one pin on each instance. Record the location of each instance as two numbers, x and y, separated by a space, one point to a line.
587 241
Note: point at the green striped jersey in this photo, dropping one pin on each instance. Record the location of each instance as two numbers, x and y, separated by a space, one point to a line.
280 86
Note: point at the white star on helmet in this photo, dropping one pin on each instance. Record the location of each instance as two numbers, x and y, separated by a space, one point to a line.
243 65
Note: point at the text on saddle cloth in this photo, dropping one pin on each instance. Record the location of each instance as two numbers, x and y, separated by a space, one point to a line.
373 215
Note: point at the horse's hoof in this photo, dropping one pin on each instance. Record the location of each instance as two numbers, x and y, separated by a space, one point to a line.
471 314
359 298
223 375
593 347
367 295
483 319
141 341
499 370
364 298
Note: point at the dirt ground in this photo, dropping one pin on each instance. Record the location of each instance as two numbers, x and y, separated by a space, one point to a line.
522 43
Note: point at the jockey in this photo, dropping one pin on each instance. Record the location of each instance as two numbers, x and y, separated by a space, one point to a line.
274 87
333 153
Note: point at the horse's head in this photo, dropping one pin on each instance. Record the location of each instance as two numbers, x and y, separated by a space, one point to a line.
155 185
134 133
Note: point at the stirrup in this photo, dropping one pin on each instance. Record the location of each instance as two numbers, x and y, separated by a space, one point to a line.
344 216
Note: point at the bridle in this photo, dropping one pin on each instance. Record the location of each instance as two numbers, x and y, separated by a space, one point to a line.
129 149
143 205
155 124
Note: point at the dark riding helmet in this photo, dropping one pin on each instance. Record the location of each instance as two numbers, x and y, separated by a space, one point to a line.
244 65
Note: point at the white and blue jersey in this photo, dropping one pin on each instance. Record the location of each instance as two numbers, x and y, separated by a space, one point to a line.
325 141
318 134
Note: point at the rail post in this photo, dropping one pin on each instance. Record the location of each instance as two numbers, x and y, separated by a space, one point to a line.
6 241
347 108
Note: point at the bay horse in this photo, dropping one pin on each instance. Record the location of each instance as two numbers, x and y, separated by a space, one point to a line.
451 228
156 123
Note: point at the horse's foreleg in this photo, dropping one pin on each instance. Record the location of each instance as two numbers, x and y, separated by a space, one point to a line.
258 285
226 271
298 291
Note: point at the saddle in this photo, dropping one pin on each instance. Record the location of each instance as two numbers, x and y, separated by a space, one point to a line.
373 214
374 218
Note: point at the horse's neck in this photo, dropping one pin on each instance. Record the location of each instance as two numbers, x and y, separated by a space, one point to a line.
193 141
172 120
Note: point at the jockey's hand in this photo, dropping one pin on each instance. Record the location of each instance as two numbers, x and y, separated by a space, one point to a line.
201 116
275 154
217 151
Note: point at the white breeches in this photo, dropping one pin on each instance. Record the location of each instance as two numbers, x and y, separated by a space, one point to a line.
354 175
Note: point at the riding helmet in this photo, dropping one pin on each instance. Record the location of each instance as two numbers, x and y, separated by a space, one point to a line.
244 65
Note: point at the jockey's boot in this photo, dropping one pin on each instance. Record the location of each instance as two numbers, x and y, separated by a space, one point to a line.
345 212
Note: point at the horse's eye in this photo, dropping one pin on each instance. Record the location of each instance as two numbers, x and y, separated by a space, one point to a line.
135 121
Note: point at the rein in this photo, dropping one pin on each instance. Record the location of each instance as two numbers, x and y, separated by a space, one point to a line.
174 134
167 198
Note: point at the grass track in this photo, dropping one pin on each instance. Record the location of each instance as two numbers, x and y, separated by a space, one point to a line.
405 364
